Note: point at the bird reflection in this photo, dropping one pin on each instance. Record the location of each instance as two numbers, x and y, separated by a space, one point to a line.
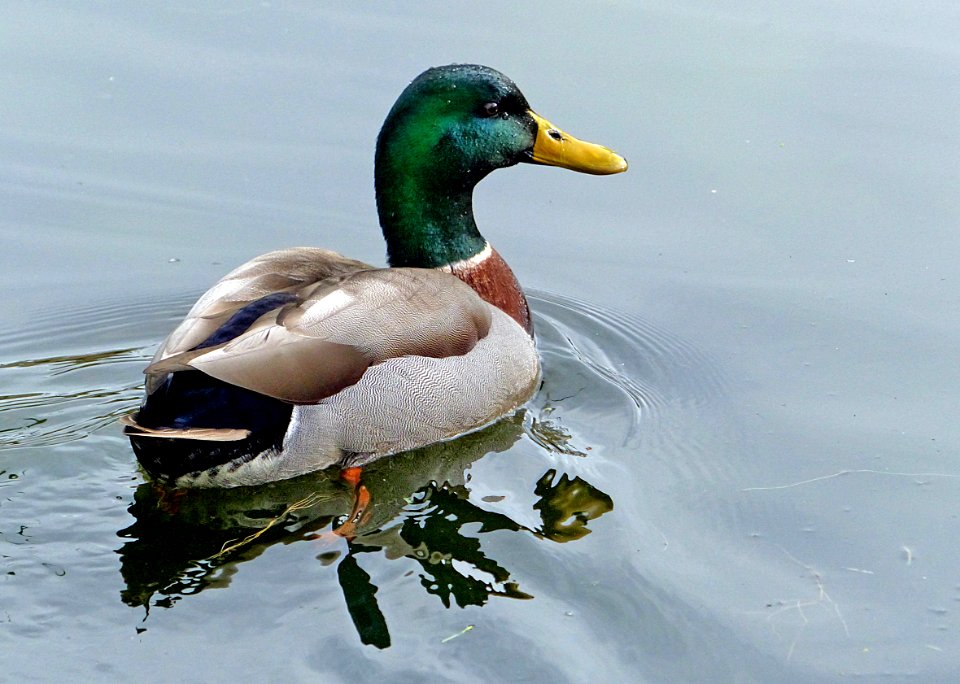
416 506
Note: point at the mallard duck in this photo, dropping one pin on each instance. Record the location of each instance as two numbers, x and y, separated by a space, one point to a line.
302 359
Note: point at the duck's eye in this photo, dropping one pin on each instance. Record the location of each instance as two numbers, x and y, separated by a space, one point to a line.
491 109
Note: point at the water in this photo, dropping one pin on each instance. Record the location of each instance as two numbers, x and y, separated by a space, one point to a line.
742 463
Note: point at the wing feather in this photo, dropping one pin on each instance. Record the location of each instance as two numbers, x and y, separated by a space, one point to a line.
284 270
349 316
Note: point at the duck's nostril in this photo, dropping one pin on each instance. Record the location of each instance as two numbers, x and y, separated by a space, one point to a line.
555 134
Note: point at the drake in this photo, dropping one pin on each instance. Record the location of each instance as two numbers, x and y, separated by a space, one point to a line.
303 359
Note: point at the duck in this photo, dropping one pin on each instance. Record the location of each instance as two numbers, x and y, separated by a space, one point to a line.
303 359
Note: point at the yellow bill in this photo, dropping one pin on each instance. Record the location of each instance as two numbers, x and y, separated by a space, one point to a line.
556 148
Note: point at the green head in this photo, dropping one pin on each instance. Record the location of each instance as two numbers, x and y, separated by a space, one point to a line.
449 128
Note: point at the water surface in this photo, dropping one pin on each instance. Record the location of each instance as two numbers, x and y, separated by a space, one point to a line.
741 465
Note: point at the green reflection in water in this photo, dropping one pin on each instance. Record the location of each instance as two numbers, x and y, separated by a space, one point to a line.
420 509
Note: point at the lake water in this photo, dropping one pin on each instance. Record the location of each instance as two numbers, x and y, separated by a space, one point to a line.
743 463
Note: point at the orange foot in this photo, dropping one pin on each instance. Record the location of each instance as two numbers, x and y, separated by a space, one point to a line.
359 514
351 475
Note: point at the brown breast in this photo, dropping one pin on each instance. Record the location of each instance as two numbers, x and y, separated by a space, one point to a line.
493 280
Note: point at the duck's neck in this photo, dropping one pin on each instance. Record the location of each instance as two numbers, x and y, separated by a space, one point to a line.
430 225
425 224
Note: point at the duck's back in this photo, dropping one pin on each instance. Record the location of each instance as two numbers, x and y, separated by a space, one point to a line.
276 273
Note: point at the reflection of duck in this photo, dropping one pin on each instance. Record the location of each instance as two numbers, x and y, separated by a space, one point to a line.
302 358
420 511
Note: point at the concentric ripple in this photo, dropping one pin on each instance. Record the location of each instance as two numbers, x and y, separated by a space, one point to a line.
614 383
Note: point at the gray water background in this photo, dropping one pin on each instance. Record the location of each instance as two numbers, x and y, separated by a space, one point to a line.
790 214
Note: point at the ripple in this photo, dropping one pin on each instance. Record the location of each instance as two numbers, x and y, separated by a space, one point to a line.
652 366
121 325
86 399
71 373
616 384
